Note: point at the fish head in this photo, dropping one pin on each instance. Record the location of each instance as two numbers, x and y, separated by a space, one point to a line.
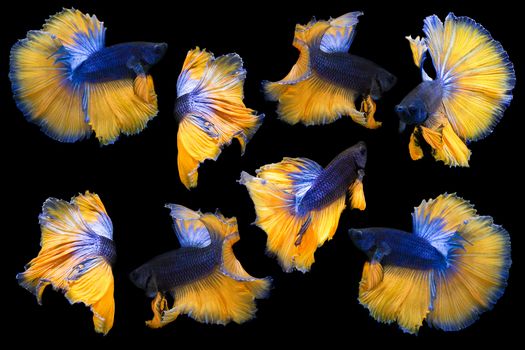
359 152
384 81
144 279
413 109
153 52
364 239
413 112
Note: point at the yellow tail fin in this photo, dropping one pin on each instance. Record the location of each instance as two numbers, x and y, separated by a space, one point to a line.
121 106
76 256
478 279
42 90
216 113
476 72
396 294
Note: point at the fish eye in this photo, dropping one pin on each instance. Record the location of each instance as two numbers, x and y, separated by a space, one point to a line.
412 109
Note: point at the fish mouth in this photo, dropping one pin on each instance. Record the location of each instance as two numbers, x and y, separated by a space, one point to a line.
161 48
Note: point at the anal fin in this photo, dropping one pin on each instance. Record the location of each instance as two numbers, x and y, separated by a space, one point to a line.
415 150
357 193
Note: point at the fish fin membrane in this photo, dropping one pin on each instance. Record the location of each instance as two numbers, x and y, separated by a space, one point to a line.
230 266
95 289
446 145
69 259
415 150
94 214
188 227
476 278
476 72
403 295
192 70
438 220
371 277
162 315
114 107
357 195
216 299
42 89
196 142
419 48
218 226
314 101
81 34
218 114
275 192
339 37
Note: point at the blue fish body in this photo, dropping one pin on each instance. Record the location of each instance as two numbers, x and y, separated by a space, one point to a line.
119 61
177 268
398 248
335 179
352 72
421 103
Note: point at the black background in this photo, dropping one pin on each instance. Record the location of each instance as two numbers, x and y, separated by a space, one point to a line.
136 176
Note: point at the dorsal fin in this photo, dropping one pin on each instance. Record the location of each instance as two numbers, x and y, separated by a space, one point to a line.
80 34
438 220
190 231
341 33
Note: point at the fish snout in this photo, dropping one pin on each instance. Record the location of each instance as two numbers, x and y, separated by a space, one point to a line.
161 48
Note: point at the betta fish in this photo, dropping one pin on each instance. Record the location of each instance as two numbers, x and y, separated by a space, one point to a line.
326 80
467 97
67 81
210 110
204 278
298 203
76 256
449 270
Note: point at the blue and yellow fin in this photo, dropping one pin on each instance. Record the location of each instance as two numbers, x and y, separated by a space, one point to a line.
218 113
188 227
339 37
419 49
446 145
80 34
192 70
42 89
437 220
305 97
478 259
476 72
276 193
227 230
70 259
227 294
396 294
120 106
